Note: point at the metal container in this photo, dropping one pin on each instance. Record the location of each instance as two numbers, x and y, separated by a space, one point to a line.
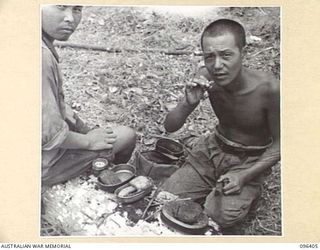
125 172
169 147
200 227
138 195
98 165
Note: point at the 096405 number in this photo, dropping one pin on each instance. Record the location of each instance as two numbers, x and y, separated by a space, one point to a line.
306 245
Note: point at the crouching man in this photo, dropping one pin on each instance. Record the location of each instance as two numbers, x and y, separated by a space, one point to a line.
239 154
68 145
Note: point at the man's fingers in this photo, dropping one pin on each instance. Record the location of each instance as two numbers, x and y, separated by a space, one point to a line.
111 135
234 190
223 178
228 187
191 84
109 146
110 140
198 83
109 130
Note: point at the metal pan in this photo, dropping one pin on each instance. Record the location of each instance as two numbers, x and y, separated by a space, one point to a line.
200 227
125 172
169 147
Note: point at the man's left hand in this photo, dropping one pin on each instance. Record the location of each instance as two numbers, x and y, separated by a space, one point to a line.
233 183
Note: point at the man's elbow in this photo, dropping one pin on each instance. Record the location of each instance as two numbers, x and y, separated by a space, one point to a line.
171 124
170 127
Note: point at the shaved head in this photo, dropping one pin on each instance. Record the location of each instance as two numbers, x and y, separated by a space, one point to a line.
223 26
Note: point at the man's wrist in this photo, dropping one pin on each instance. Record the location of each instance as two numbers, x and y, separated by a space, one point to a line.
187 105
245 175
87 141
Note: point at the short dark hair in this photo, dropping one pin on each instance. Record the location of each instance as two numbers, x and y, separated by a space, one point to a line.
223 26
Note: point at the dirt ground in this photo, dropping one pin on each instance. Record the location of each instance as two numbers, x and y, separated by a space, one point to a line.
136 87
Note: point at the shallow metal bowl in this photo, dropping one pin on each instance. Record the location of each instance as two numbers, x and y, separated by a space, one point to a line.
170 147
125 173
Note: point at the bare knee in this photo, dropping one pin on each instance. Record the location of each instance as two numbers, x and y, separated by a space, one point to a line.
125 143
126 138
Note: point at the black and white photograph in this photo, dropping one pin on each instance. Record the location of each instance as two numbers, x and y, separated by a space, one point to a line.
160 121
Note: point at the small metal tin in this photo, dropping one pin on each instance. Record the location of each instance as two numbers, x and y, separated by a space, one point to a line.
98 165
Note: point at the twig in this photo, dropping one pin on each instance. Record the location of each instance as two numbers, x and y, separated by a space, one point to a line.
159 136
118 50
183 199
151 200
115 222
86 215
261 10
102 219
153 214
257 53
86 46
266 229
89 94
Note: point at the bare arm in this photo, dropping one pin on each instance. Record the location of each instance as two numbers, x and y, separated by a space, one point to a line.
76 124
193 94
177 117
272 155
96 139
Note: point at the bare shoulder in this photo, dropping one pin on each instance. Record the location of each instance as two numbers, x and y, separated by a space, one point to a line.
266 82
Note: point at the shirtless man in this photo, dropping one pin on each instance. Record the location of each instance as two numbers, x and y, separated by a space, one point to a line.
246 141
68 145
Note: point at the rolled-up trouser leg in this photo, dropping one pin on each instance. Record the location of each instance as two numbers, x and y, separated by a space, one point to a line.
186 183
228 210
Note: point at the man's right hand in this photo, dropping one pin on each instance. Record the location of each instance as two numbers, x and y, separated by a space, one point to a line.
195 90
101 139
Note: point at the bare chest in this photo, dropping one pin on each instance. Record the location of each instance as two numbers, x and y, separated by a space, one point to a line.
245 112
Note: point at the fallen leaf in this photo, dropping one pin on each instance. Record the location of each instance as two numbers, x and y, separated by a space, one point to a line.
136 90
113 89
101 22
105 98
